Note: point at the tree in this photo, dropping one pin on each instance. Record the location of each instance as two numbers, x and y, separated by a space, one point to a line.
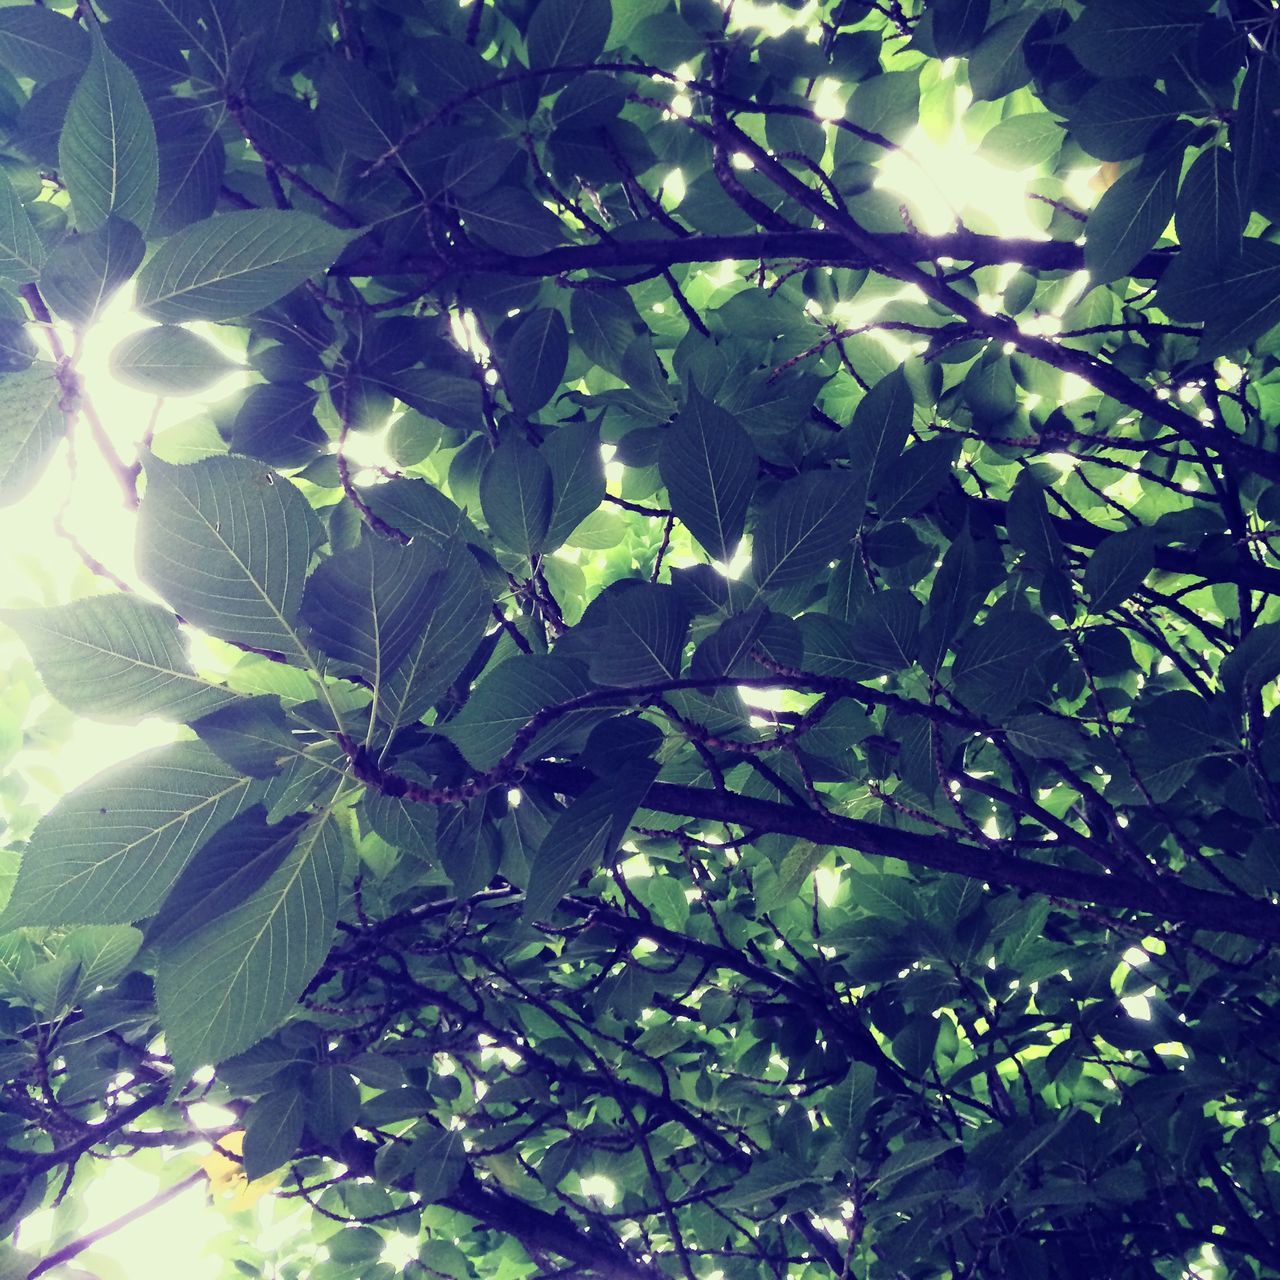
777 775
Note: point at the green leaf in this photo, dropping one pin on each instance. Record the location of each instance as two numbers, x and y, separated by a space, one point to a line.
21 253
438 1159
454 401
1129 219
516 496
167 360
586 834
193 159
958 25
511 220
808 524
40 44
565 33
1118 567
642 639
577 479
999 661
272 1131
109 851
1238 300
709 464
251 735
1209 215
227 542
997 66
223 987
448 632
84 271
235 263
103 952
878 434
913 480
31 425
507 698
1021 142
1115 119
885 631
107 154
769 1176
1125 37
535 359
366 606
1252 129
333 1102
116 657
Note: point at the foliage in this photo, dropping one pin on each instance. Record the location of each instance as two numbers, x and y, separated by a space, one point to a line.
777 774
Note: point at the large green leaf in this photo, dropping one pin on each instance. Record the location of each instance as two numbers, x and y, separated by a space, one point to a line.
806 525
1129 219
168 360
878 433
1123 37
107 154
516 496
708 464
21 253
227 543
234 263
84 271
32 423
451 625
507 698
586 834
116 657
109 851
223 987
577 479
366 606
42 45
567 32
642 639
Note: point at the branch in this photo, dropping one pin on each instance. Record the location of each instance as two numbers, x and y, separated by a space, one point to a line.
1177 903
90 1238
661 252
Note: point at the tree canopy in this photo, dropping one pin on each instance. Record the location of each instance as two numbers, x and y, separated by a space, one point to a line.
724 726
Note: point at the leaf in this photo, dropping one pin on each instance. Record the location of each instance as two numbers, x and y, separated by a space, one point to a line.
103 952
884 631
577 479
84 271
1115 119
116 657
448 632
997 66
40 44
235 263
586 834
642 640
1252 129
272 1131
878 434
192 161
109 851
107 154
535 359
365 606
507 698
251 735
566 33
333 1102
913 480
232 865
1129 219
1030 528
167 360
234 980
1020 142
409 827
438 1159
1118 567
958 25
1123 37
227 542
1238 299
999 661
1209 216
516 496
276 423
511 220
708 464
454 401
808 524
31 425
769 1176
21 253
